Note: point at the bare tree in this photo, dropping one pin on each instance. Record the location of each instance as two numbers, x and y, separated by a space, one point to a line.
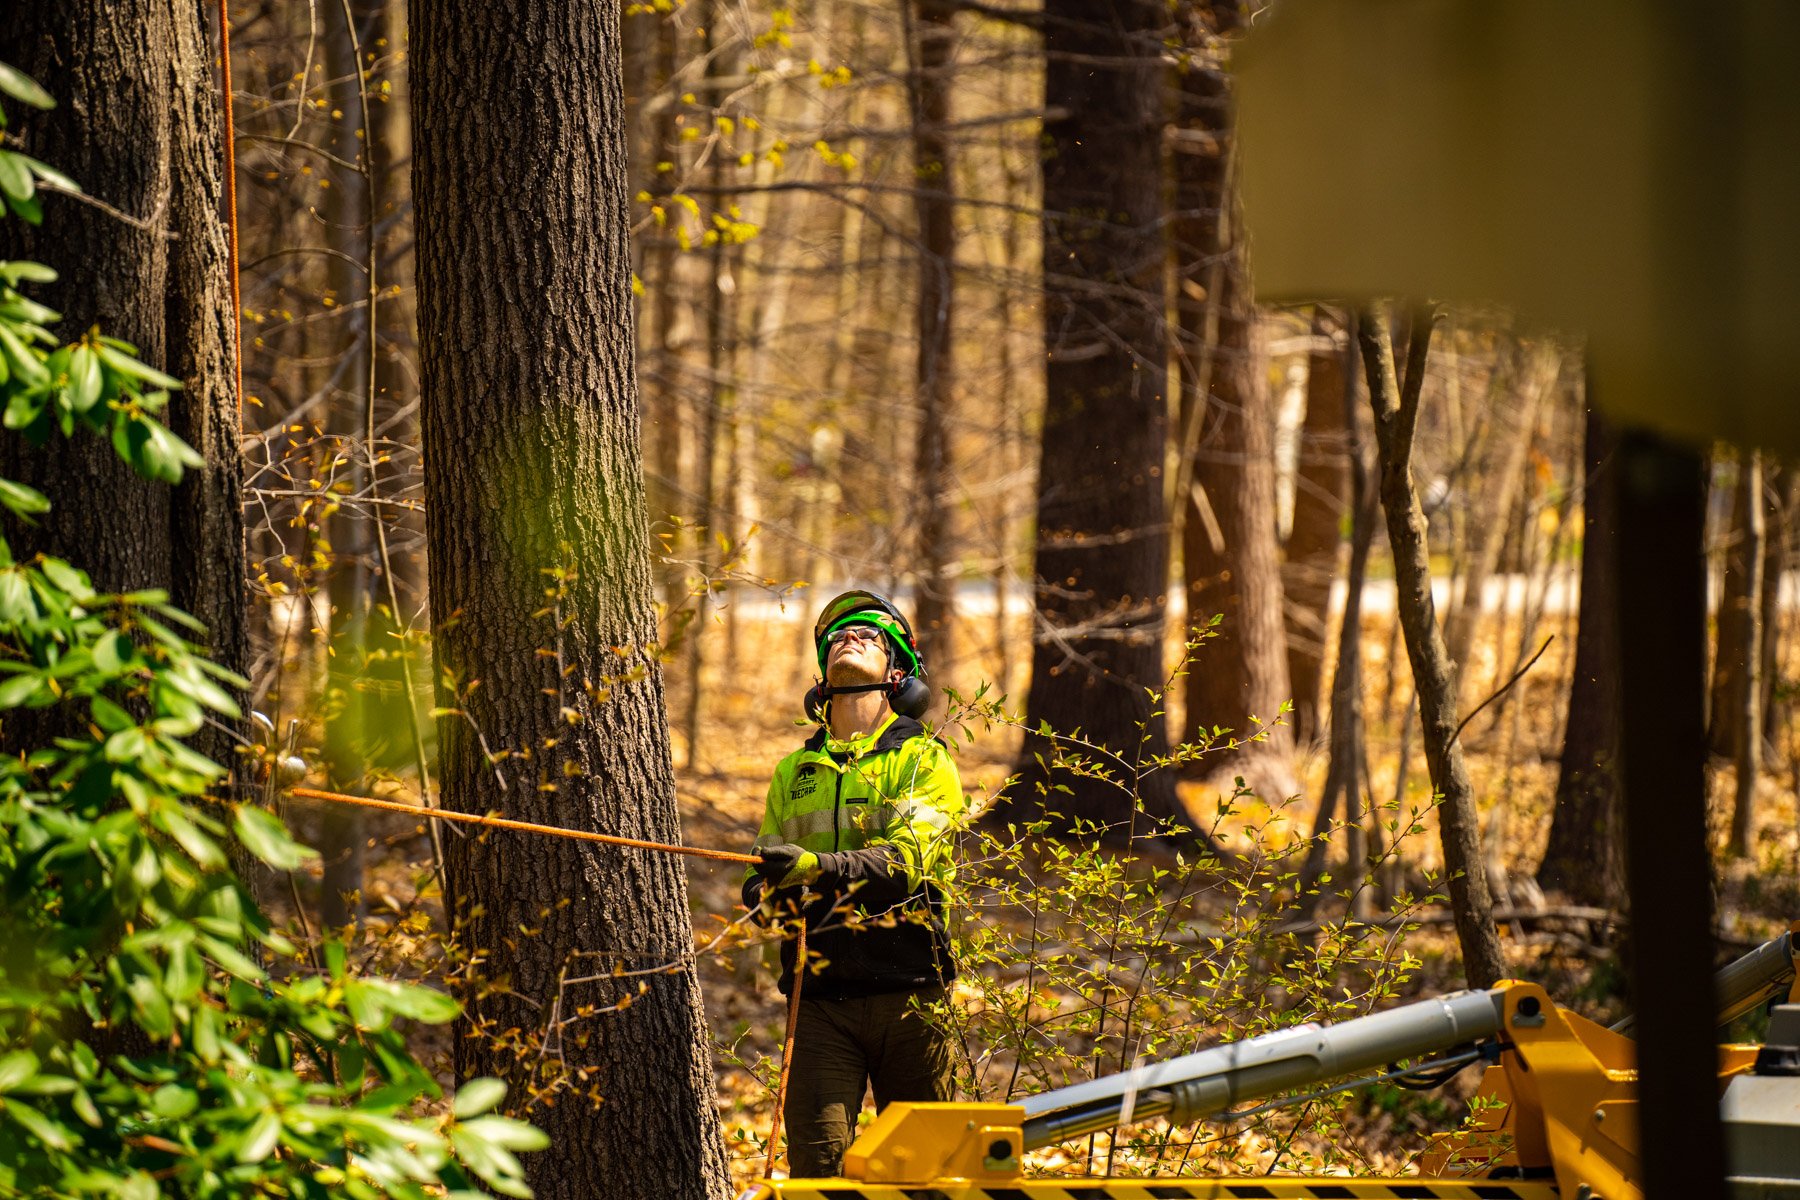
1581 857
1321 500
541 600
1102 541
1396 407
930 46
1230 556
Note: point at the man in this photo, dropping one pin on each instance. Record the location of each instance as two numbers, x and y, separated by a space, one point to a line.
856 836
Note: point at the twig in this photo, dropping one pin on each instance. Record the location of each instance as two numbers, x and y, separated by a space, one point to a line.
1504 688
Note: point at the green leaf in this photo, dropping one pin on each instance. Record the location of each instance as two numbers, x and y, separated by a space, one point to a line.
478 1096
16 273
260 1141
25 364
38 1125
16 604
263 834
16 1068
504 1131
21 499
15 176
126 365
24 88
85 378
19 689
114 652
50 175
420 1003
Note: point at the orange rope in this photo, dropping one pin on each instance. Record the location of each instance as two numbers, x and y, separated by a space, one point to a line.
237 304
442 814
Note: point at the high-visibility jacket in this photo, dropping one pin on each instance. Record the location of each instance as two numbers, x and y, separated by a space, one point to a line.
881 812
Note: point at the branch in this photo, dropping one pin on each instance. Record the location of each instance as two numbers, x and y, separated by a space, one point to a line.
1504 688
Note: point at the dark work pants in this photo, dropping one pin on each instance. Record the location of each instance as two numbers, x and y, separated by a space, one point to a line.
840 1048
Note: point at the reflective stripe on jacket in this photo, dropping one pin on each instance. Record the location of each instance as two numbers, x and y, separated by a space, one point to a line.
886 806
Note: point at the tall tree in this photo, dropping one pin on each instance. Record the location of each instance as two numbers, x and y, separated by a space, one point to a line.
1321 500
1581 857
1395 402
930 45
138 125
533 486
1102 541
1231 561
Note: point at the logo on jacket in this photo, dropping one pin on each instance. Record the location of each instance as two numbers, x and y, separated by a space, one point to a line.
806 782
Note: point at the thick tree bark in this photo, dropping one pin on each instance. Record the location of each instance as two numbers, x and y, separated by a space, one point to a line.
1321 498
931 44
533 465
1396 409
137 124
1231 563
1102 540
1581 858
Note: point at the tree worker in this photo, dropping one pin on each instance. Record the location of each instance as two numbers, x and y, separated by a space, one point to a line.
857 836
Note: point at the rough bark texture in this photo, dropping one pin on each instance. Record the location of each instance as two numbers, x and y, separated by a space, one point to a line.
1396 410
1581 857
137 125
1321 499
931 45
1232 562
531 433
1102 540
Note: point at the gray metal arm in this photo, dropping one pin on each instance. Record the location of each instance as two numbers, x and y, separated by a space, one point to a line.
1211 1081
1746 982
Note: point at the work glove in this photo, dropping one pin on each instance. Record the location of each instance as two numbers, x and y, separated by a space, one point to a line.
786 865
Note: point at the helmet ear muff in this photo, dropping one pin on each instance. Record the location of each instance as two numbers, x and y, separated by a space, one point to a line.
910 697
817 697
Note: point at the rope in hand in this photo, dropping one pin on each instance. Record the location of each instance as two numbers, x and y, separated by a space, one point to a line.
582 835
787 1052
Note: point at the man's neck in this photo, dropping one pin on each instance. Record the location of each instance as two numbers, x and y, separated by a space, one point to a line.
859 712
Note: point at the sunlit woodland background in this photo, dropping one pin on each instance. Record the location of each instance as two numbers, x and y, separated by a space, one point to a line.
837 219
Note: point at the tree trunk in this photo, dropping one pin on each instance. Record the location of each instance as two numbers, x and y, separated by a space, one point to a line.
1731 650
1396 409
347 209
1321 498
1581 858
931 44
137 125
1748 701
1535 375
1346 781
1231 564
532 464
1102 542
1779 484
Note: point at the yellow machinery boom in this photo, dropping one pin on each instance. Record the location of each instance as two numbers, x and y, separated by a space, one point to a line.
1563 1125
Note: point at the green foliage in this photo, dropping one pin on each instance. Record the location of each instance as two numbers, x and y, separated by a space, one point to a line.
1083 953
161 1038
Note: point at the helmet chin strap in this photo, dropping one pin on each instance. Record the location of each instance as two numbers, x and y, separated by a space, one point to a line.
830 689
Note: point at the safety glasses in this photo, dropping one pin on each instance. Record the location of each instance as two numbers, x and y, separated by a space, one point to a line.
862 633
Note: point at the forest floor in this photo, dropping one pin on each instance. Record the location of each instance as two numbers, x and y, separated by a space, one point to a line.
1512 753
